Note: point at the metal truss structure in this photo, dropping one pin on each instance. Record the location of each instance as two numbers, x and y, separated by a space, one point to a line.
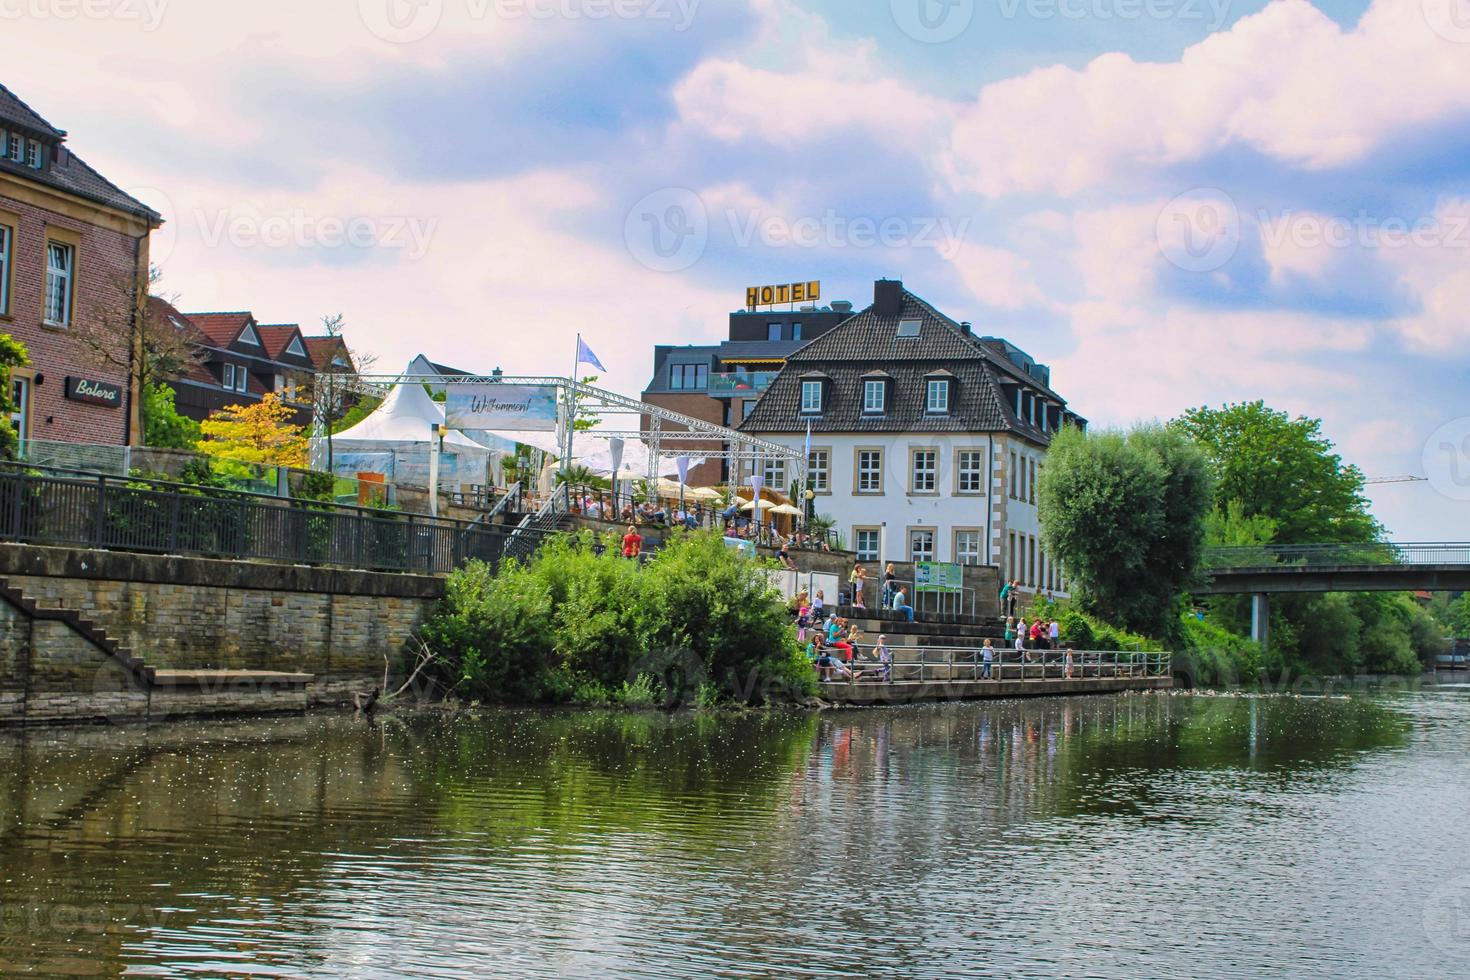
666 433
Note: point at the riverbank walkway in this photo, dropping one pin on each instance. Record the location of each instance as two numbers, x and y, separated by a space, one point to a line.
941 658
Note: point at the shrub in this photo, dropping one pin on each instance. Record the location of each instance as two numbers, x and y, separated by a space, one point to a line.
698 622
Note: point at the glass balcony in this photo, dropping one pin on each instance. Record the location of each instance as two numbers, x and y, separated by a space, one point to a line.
740 383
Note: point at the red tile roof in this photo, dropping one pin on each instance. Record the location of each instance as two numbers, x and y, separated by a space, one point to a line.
221 328
323 349
275 337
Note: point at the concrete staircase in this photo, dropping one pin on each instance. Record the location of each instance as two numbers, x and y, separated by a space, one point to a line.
147 692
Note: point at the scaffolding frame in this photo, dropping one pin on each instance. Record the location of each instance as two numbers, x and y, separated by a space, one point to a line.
575 398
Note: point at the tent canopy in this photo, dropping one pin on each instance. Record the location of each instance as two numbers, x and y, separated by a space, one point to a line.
407 415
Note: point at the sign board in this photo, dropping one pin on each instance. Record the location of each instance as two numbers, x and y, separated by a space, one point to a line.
498 407
795 292
94 392
933 576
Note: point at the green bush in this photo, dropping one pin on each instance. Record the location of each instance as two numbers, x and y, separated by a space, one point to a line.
697 622
1212 655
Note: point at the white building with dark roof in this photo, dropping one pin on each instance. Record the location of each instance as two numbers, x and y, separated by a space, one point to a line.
925 439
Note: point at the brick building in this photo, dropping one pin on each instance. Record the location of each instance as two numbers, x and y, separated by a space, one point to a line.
721 383
73 276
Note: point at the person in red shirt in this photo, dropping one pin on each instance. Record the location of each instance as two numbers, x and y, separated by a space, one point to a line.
632 543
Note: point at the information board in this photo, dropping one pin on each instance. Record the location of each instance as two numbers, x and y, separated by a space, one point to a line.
933 576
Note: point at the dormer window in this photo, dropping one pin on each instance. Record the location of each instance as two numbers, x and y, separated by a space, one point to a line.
33 154
294 347
249 337
936 401
811 397
17 148
875 391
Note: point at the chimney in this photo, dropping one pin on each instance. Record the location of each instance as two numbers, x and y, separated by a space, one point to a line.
965 327
888 297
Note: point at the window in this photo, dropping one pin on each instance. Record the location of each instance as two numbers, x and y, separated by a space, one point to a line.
1013 568
938 401
1031 561
294 347
1031 484
773 331
688 377
747 405
865 540
873 392
811 397
970 464
33 155
773 472
967 547
17 147
818 469
909 328
921 545
1015 469
870 471
796 331
20 394
925 470
60 270
5 239
235 377
249 337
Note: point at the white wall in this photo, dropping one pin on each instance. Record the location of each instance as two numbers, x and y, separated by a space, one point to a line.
896 511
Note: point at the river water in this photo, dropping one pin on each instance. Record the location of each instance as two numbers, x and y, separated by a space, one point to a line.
1132 836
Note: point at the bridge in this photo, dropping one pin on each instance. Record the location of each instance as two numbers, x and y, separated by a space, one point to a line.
1379 566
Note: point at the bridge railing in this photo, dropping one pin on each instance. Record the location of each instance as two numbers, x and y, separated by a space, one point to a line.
1367 553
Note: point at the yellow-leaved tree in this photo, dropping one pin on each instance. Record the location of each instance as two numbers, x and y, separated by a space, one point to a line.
258 433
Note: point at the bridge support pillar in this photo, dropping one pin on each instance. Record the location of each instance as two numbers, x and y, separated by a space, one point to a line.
1261 618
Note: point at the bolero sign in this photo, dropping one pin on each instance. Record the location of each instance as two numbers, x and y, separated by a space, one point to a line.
94 392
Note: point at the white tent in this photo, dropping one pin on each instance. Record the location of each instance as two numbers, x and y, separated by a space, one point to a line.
394 440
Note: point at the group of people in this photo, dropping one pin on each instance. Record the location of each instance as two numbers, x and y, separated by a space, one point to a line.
834 645
1037 635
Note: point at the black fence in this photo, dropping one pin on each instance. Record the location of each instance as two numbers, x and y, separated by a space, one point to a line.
109 512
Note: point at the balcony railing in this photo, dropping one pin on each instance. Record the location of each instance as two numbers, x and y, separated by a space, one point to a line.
737 383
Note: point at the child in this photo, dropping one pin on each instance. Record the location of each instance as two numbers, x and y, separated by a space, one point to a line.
987 654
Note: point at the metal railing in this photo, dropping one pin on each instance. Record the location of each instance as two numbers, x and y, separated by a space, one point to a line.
943 603
528 534
940 664
1367 553
624 507
148 516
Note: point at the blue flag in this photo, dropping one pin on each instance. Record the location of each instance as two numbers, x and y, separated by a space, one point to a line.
585 355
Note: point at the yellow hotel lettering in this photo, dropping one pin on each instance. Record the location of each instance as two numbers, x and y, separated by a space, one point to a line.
796 292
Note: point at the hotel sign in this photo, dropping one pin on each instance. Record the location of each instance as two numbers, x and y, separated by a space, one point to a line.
795 292
94 392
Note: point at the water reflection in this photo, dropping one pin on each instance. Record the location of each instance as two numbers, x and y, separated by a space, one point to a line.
1047 836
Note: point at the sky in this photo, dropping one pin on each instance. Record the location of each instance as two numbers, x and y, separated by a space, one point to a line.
1171 202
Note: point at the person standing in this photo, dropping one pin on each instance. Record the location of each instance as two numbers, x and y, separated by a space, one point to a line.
987 655
1021 635
1054 631
1069 662
1005 595
1037 643
1010 629
890 582
859 585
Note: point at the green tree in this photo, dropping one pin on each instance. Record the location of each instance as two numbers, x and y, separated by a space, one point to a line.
1124 515
163 426
1282 468
12 355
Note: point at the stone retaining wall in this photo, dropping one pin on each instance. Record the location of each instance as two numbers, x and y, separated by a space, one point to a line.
201 614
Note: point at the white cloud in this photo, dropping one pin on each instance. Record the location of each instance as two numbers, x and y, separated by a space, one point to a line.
1287 82
794 86
997 277
1433 260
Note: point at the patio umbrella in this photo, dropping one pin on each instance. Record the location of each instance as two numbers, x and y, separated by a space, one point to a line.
786 509
750 505
703 493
